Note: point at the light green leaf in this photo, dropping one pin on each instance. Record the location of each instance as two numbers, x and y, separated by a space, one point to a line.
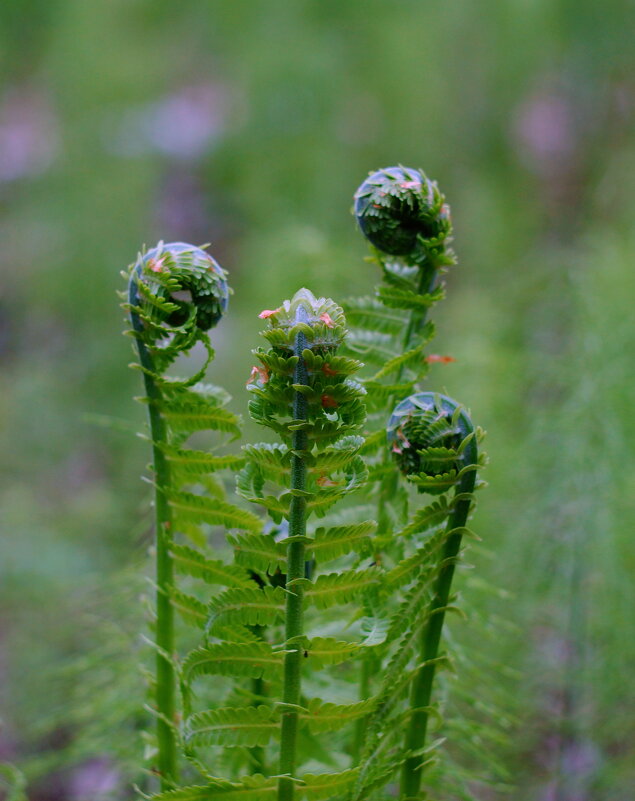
192 563
322 717
329 543
258 552
257 606
201 509
338 588
228 727
255 660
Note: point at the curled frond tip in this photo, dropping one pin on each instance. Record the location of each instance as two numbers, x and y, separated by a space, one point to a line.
180 286
399 207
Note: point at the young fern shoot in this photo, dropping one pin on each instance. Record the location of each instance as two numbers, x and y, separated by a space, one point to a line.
329 627
304 394
435 446
404 216
176 293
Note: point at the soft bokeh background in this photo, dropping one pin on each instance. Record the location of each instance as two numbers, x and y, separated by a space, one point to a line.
249 124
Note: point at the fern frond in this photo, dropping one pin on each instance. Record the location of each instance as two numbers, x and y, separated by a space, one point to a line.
250 788
316 787
195 463
408 300
200 509
213 571
323 651
325 716
338 588
229 727
193 611
329 543
189 412
247 607
426 518
257 551
374 630
370 314
411 358
410 568
336 456
255 660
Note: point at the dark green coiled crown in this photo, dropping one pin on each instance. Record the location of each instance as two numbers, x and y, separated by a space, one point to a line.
431 438
179 286
399 208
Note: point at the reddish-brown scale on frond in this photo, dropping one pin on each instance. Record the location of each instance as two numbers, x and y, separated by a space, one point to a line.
328 402
325 481
156 265
436 358
258 374
265 314
328 370
326 319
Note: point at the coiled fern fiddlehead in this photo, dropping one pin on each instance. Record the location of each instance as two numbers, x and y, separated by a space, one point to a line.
176 293
435 446
405 218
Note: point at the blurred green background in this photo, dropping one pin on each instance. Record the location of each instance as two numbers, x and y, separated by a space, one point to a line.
249 124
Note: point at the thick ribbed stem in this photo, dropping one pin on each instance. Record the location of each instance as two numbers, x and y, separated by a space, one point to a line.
295 571
164 636
421 690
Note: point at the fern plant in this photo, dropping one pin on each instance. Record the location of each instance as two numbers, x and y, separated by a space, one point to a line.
176 293
325 635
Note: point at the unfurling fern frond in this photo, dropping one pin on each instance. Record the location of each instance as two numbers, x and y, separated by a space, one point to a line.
304 391
176 293
426 433
407 221
318 646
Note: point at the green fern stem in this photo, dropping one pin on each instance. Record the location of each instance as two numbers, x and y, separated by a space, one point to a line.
295 571
421 689
427 279
165 673
429 264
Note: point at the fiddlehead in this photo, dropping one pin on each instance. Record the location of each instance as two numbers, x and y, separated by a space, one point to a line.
176 292
304 392
308 384
434 443
401 212
405 217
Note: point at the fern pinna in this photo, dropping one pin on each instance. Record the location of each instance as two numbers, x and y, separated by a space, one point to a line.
176 293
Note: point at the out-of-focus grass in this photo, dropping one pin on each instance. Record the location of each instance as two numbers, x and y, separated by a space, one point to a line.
250 124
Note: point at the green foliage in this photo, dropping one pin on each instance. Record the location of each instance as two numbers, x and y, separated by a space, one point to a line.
544 294
13 781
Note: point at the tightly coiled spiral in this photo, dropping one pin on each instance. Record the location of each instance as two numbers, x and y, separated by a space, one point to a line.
398 208
430 437
179 286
